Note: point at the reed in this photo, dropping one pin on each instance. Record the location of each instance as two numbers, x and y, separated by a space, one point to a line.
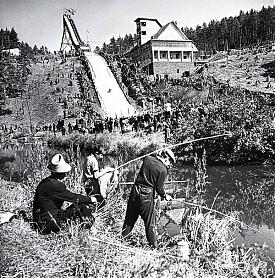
113 143
102 252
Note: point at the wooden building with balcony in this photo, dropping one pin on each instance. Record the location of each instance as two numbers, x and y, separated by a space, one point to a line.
162 51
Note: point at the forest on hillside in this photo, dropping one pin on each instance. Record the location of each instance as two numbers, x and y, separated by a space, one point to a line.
246 29
9 39
14 70
234 32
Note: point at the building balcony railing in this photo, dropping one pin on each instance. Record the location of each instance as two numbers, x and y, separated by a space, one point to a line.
171 44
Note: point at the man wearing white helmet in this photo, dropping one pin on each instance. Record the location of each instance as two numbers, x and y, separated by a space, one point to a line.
50 195
149 182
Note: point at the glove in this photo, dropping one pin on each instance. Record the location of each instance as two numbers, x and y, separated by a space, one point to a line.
168 197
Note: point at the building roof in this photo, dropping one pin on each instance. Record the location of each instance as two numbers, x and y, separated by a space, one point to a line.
174 25
148 19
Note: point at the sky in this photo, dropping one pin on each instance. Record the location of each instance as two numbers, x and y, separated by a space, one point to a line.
39 22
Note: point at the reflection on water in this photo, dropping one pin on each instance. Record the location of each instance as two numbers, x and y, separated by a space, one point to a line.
247 190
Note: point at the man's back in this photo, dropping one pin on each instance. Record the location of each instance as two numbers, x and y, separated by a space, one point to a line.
51 194
152 174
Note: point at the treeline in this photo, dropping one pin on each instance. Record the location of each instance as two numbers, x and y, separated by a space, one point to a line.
118 46
244 30
9 40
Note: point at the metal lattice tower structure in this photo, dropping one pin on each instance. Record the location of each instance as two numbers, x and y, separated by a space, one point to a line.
71 38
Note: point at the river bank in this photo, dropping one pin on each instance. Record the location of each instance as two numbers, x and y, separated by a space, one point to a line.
101 251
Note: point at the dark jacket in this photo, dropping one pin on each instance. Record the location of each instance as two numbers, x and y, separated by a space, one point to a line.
152 174
50 196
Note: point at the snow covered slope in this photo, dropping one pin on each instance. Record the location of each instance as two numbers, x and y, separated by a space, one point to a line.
112 98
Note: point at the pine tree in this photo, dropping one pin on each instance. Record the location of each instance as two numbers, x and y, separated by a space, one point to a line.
113 46
13 38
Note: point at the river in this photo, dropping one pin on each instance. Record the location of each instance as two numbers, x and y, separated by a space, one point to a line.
247 191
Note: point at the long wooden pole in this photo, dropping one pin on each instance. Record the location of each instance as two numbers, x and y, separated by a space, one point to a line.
175 145
166 182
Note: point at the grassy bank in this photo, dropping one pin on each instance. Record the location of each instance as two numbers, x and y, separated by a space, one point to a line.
101 251
124 146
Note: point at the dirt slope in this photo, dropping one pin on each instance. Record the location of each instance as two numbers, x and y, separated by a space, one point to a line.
251 70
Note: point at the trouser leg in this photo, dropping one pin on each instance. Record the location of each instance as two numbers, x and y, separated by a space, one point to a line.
150 229
130 218
78 212
148 214
93 189
126 230
48 223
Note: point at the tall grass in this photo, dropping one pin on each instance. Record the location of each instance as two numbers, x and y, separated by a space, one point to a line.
128 145
101 251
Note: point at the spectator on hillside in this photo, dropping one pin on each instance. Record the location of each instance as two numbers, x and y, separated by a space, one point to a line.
63 131
50 196
167 110
167 132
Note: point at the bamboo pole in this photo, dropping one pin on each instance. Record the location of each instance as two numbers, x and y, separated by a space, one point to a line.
167 182
175 145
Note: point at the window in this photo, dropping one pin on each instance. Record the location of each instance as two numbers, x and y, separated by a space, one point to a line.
163 54
174 55
178 70
185 55
143 32
156 54
143 23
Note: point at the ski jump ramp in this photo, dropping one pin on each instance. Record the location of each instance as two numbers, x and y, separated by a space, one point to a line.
112 98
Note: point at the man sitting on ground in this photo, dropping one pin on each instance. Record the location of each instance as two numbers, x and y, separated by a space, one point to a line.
50 195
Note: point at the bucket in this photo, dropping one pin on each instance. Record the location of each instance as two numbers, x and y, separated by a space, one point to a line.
183 250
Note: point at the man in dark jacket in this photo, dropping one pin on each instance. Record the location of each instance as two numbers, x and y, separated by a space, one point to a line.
50 196
149 181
